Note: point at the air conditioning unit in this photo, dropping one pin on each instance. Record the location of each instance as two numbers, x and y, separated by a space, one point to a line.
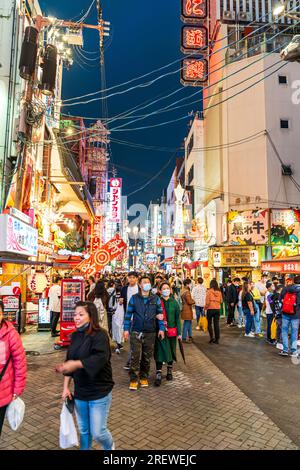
257 199
228 15
248 199
245 16
238 200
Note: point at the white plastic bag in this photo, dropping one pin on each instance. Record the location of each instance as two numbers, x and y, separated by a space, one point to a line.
67 432
15 413
117 324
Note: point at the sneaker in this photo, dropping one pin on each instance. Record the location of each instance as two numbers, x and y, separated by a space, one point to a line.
169 374
113 447
260 335
294 354
144 383
133 385
127 367
157 381
279 346
240 326
117 351
283 353
250 335
198 328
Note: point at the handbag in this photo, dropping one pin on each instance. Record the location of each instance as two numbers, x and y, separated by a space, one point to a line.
171 332
15 413
4 368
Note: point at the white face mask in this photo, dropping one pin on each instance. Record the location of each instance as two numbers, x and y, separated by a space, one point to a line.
110 290
146 287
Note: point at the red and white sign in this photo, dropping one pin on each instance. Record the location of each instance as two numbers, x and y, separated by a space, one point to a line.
115 199
288 267
179 244
194 38
96 234
193 10
103 255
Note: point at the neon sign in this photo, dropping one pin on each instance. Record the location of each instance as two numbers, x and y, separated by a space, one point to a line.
194 38
194 71
193 10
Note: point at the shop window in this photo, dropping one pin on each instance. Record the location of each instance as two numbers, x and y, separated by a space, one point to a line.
282 79
284 124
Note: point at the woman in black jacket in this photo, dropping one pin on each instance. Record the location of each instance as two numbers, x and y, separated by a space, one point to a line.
88 363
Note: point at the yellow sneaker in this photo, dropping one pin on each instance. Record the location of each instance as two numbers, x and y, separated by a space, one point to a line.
144 383
133 386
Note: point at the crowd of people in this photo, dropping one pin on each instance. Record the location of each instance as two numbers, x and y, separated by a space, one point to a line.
155 314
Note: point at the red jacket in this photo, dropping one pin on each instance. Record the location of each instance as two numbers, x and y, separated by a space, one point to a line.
14 379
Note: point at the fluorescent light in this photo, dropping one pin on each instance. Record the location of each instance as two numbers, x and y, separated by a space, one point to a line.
279 10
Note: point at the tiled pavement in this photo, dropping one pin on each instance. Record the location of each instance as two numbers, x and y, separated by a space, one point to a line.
201 409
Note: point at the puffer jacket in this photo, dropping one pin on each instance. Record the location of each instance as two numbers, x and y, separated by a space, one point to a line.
14 379
187 302
213 300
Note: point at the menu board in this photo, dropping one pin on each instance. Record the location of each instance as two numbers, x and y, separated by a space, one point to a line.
44 320
71 294
11 308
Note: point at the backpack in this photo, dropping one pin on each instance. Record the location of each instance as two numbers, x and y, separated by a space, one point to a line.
289 303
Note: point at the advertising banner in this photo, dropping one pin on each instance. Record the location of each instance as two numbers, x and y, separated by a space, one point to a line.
17 237
115 200
103 255
248 227
285 227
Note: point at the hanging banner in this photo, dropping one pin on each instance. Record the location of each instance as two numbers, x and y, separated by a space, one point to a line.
194 39
248 227
115 200
103 256
17 237
193 10
194 71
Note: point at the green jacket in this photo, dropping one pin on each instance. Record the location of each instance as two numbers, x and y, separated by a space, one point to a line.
165 350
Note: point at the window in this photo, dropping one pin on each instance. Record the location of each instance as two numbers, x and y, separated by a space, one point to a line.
191 174
284 124
190 145
282 79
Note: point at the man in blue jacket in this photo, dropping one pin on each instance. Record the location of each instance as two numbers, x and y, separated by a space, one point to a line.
142 321
292 320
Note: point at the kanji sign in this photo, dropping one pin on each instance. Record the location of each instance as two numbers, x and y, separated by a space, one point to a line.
248 227
179 244
165 241
96 234
194 71
103 255
281 267
115 200
193 10
194 38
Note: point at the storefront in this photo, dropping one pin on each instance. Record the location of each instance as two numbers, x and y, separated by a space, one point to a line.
290 266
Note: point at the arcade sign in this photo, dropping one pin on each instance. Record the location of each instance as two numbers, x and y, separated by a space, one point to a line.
193 10
194 71
193 39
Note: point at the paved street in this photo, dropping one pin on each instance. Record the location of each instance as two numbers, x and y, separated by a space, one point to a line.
201 409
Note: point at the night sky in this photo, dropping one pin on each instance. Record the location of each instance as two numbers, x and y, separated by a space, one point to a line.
145 36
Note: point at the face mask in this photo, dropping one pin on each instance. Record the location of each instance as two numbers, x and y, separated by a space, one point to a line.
146 287
83 327
166 292
110 290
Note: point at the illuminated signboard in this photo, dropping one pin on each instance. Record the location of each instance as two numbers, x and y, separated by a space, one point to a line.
115 200
194 71
193 38
193 10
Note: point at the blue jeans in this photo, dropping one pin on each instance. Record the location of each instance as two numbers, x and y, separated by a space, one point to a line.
249 320
241 315
257 319
199 313
92 419
187 329
286 322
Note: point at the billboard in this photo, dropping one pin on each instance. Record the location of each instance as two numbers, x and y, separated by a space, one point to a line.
17 237
115 185
285 227
248 227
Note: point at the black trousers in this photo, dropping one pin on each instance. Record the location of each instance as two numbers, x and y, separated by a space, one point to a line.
230 318
160 364
142 350
54 317
213 316
2 416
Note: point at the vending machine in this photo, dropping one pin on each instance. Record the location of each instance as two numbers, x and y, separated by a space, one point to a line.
72 291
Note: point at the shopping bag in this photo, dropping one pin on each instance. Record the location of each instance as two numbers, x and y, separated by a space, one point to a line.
273 329
203 324
67 432
15 413
194 313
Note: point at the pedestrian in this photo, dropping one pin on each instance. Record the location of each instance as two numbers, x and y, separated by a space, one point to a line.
213 308
261 286
177 285
269 311
142 320
88 363
241 320
13 365
199 295
290 297
187 312
232 300
99 295
130 289
248 309
276 306
54 297
257 312
91 293
112 304
157 282
165 349
118 322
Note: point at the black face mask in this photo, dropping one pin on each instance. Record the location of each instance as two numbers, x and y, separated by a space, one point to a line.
83 327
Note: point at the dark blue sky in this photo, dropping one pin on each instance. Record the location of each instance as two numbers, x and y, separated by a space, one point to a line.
145 36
